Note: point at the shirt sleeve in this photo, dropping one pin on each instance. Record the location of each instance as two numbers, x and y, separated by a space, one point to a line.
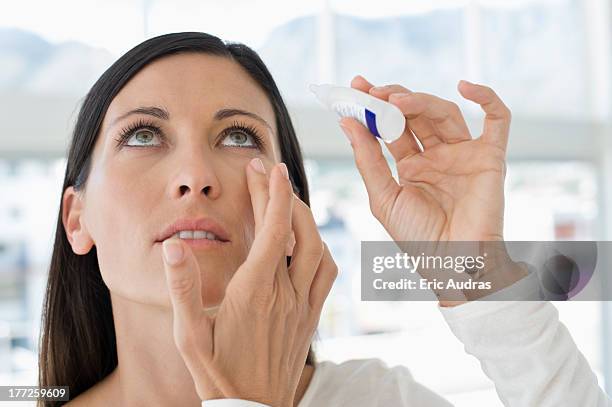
527 352
231 403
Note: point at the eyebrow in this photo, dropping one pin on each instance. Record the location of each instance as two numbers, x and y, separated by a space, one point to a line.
158 112
163 114
225 113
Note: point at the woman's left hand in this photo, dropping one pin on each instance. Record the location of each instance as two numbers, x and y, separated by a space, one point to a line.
255 345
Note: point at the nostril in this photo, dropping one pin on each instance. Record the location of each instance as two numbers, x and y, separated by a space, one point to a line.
184 189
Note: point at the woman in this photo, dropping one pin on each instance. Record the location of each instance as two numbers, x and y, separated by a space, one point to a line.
187 265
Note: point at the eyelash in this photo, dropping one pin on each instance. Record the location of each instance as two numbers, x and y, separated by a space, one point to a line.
128 131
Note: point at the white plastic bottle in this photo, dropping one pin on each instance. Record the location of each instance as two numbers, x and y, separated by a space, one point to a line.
383 119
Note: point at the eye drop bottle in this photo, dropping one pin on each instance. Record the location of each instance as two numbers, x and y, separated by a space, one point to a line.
383 119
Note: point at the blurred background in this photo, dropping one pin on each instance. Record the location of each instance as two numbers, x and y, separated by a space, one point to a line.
548 59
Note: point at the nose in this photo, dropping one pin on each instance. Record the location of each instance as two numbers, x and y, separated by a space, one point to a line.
194 175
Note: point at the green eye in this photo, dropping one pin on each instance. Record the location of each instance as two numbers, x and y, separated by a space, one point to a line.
239 138
141 136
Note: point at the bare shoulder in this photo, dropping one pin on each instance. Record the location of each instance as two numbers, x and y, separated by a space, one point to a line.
101 394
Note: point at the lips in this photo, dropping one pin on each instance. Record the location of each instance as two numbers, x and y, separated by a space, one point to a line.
204 224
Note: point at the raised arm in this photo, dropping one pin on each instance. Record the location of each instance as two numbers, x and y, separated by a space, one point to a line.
453 190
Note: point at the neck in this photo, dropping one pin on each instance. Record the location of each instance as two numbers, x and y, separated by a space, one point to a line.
150 370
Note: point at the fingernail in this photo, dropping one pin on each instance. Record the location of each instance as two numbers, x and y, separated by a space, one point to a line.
173 251
360 77
284 170
258 166
347 133
468 82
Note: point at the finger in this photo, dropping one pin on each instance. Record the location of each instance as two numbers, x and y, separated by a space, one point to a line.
361 83
406 145
383 92
497 115
445 116
308 248
257 183
421 128
269 245
370 161
183 281
291 242
323 281
425 132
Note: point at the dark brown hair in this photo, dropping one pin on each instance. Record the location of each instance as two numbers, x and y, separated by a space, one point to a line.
78 344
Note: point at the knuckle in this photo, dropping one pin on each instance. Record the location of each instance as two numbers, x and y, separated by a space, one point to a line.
182 286
260 297
506 112
496 162
501 112
398 87
488 90
279 233
313 255
376 209
322 247
397 98
316 248
257 299
454 108
333 267
333 270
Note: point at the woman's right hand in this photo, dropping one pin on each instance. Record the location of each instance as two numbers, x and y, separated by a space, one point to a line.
452 190
255 346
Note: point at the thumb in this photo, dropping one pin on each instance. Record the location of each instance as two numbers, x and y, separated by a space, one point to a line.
183 281
370 160
192 327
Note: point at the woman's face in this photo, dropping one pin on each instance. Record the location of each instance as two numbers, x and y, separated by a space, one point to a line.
192 131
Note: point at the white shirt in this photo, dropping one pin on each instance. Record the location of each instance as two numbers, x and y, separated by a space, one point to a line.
522 347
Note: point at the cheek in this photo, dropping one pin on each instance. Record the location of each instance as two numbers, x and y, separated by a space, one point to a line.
120 208
125 202
236 209
248 227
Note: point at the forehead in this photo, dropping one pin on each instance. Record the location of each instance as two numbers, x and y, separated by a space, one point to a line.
192 85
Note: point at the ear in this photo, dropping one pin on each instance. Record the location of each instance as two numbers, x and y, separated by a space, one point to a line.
76 231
